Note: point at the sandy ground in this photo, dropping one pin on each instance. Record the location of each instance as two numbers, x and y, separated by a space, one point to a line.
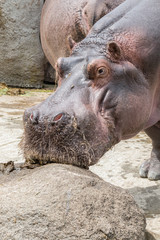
119 166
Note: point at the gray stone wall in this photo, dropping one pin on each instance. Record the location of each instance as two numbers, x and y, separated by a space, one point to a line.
21 55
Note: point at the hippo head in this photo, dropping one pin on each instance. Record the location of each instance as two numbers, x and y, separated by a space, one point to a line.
100 99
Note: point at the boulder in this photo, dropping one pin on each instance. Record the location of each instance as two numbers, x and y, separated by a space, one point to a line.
62 202
21 58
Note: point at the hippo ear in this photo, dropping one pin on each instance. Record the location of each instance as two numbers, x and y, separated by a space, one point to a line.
71 42
114 50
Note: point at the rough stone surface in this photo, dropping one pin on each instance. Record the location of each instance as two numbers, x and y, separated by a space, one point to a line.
21 56
65 202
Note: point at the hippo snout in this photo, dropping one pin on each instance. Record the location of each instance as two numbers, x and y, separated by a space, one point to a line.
54 135
35 118
55 122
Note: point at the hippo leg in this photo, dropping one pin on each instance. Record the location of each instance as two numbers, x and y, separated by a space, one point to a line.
151 168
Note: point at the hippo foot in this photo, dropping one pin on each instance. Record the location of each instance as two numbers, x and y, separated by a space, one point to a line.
150 169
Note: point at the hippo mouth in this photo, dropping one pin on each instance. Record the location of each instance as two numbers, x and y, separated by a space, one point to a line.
64 141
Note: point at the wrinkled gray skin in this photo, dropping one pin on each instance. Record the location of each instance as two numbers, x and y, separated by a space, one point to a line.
108 91
62 19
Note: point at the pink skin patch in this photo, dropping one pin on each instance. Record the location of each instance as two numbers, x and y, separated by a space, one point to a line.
58 117
31 117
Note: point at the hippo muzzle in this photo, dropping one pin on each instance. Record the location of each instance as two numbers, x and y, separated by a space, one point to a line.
55 139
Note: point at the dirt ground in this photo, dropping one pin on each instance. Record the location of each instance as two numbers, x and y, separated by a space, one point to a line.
119 166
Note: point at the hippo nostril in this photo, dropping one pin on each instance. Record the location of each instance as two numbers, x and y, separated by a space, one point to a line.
58 117
31 117
34 117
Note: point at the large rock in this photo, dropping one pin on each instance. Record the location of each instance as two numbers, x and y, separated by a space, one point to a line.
59 202
21 58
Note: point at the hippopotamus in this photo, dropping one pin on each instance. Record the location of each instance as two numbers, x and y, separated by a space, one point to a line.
108 90
63 22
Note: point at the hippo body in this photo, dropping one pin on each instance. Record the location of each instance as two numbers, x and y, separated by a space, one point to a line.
63 19
108 91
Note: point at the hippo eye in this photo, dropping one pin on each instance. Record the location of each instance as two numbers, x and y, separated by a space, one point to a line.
98 68
102 71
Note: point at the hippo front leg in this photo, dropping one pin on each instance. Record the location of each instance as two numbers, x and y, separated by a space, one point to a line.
151 168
